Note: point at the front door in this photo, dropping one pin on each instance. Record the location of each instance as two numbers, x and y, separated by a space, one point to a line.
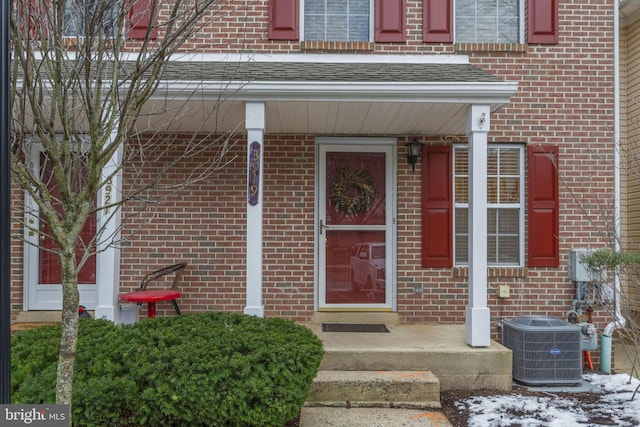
356 250
43 288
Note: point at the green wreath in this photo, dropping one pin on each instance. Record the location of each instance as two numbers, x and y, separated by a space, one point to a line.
342 195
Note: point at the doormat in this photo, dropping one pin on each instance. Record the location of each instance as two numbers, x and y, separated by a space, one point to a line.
354 327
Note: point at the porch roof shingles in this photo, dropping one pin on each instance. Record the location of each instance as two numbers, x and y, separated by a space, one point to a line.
327 72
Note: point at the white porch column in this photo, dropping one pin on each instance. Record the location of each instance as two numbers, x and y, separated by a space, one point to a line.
255 122
477 322
108 259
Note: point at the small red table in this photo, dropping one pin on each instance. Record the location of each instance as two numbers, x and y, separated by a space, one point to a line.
151 296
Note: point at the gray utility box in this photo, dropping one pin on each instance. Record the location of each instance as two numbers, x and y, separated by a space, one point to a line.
579 271
546 350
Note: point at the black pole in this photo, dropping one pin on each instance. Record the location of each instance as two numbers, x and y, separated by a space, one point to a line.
5 210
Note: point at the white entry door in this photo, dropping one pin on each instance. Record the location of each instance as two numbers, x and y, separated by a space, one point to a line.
356 224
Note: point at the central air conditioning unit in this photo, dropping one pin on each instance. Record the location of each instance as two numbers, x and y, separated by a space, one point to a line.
546 350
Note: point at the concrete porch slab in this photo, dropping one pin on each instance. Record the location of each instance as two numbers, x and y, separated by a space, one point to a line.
438 348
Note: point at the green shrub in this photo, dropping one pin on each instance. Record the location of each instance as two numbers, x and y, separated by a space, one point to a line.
218 369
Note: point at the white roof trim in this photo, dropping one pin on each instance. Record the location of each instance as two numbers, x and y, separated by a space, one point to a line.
476 92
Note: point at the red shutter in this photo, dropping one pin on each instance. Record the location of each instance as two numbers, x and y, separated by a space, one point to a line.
437 221
283 19
544 228
142 16
33 21
390 21
543 22
437 17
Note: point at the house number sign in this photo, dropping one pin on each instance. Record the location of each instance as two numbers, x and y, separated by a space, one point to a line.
254 172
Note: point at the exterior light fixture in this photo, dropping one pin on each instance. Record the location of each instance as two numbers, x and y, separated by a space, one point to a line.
414 149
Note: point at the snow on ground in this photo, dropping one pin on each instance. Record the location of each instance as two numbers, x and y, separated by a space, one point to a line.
614 406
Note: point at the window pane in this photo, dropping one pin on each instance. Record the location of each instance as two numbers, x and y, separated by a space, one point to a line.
507 30
486 7
314 28
465 8
508 252
314 7
336 28
462 236
359 28
508 221
359 6
461 172
509 190
486 30
336 7
507 8
509 161
465 29
462 189
503 242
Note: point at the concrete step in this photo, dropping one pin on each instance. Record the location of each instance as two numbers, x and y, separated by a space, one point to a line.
371 417
375 389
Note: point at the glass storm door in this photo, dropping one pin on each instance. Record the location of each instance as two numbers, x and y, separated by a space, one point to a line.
355 226
42 266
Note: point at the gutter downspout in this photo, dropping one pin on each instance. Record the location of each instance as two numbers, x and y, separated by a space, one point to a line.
618 321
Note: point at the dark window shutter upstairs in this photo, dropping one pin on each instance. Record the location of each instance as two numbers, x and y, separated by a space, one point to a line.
437 25
390 18
437 215
542 22
142 18
544 228
284 20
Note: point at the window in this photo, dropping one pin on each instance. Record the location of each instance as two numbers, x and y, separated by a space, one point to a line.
487 21
337 20
505 205
490 21
445 205
79 13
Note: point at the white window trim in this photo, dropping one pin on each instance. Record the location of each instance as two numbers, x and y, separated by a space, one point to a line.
372 14
521 216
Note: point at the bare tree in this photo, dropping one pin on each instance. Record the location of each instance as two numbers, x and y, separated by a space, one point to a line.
80 95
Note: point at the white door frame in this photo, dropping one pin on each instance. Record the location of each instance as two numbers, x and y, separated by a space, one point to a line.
354 144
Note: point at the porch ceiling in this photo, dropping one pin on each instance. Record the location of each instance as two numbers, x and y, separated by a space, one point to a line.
327 94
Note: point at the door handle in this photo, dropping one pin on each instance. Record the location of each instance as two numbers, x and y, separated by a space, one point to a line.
323 226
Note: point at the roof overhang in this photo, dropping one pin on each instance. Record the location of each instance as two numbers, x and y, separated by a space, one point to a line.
329 94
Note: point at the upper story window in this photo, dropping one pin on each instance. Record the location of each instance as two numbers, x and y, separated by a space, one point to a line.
336 20
83 18
488 21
